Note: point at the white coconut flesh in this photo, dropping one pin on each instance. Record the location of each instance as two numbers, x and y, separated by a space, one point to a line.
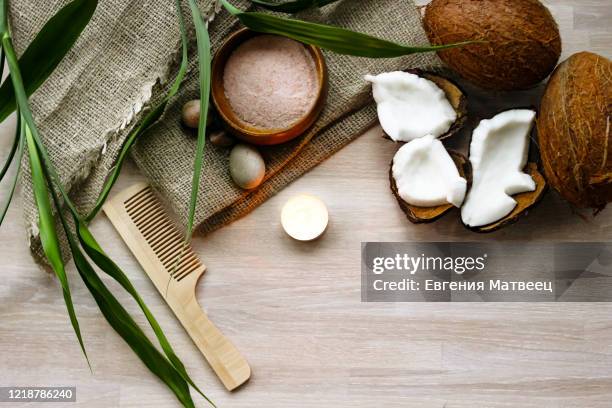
426 175
498 154
411 107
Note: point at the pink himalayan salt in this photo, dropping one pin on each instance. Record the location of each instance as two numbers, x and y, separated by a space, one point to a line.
271 82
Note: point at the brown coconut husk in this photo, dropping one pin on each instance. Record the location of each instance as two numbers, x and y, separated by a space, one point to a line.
455 95
519 43
422 215
574 130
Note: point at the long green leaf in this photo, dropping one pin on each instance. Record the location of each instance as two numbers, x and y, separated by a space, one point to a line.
127 328
20 93
292 6
336 39
95 252
46 220
18 145
204 63
148 120
47 50
121 321
48 233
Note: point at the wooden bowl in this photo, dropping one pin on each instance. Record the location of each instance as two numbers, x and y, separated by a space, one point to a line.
242 130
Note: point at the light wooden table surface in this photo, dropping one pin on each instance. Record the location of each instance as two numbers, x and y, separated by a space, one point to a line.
294 309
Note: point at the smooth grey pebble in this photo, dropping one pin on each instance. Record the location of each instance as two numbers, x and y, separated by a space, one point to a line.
247 167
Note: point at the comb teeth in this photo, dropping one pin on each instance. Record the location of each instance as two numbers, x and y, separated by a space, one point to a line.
160 234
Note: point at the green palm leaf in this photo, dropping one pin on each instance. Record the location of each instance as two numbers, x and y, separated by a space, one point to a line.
46 220
126 327
336 39
204 62
48 233
95 252
121 321
47 50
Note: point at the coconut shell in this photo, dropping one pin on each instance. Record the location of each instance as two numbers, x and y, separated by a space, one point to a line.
574 130
422 215
525 201
520 44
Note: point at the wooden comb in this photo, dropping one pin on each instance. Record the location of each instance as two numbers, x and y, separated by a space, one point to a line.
142 222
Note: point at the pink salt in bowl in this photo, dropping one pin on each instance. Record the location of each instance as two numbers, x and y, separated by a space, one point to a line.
249 105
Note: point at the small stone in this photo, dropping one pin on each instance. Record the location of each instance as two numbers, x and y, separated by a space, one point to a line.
191 114
221 138
247 167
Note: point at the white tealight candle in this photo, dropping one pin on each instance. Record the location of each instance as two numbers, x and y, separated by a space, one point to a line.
304 217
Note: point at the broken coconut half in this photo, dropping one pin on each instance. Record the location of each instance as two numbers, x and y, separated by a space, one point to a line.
414 104
503 186
427 180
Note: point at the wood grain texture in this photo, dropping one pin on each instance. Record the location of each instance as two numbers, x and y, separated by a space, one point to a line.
294 311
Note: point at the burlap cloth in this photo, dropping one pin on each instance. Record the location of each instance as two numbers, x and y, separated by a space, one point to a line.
124 61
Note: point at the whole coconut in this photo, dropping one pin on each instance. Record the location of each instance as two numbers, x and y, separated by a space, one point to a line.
574 130
521 41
